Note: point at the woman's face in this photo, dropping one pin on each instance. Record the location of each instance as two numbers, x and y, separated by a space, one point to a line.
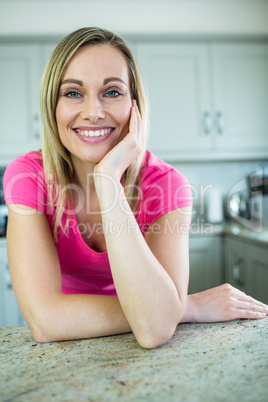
94 103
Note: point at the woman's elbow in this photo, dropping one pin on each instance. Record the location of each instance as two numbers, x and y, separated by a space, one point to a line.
40 335
41 328
154 339
159 333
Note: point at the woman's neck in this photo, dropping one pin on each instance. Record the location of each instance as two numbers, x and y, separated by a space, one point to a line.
83 175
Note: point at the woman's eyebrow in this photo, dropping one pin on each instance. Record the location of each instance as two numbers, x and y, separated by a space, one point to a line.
72 81
78 82
106 80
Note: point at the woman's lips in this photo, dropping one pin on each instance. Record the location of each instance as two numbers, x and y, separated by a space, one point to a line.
93 135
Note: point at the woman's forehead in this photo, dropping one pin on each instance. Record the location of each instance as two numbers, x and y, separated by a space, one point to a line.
98 61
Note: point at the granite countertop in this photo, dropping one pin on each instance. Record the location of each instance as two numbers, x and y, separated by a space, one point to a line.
202 362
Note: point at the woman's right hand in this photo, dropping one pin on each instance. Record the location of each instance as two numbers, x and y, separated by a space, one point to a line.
222 303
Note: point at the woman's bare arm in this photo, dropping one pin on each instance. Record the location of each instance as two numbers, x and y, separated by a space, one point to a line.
151 274
36 278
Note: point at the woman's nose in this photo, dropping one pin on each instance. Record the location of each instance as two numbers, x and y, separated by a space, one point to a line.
93 110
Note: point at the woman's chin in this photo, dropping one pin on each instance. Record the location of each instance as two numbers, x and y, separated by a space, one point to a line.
90 158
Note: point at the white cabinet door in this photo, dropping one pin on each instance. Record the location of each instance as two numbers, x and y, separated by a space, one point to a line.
236 265
247 268
241 96
258 267
177 79
10 314
205 263
207 101
19 103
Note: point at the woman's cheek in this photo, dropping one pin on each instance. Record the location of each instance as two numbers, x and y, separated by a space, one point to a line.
127 116
122 114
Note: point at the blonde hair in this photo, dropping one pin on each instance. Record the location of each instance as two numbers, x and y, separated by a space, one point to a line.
56 158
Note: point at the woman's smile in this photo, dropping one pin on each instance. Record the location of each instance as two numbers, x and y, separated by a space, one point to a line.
93 135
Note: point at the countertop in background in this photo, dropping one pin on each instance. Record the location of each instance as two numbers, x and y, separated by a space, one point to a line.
202 362
258 236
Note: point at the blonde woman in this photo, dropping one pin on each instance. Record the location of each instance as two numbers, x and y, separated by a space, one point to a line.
98 226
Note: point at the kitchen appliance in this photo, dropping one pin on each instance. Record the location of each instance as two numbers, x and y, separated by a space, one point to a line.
214 206
3 207
238 206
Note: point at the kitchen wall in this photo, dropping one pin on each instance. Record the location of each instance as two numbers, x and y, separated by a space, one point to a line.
184 17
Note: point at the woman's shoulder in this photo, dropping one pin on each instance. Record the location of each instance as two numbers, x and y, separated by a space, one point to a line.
29 162
30 159
23 171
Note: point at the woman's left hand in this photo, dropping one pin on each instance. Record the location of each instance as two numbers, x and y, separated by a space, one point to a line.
223 303
123 154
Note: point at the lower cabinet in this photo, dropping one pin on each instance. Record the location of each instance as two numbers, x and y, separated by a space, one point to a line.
10 314
247 267
205 263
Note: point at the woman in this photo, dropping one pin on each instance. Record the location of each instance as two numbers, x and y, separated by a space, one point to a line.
92 244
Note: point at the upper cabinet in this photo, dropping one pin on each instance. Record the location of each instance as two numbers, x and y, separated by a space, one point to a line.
21 67
178 80
240 92
19 103
208 101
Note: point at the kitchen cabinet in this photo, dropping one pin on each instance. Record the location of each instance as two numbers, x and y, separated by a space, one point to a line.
258 268
19 103
236 264
240 74
247 267
205 263
10 314
177 78
208 101
21 68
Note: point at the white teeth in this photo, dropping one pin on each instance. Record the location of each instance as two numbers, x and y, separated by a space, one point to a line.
95 133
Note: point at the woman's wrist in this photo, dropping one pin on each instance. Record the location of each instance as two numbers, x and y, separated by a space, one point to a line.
189 315
108 189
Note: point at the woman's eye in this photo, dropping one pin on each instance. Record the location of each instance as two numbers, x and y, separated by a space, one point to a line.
72 94
112 94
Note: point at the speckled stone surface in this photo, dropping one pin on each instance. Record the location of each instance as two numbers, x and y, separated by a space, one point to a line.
202 362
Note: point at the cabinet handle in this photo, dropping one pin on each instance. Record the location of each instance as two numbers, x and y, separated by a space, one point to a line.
219 122
36 127
8 279
237 274
207 122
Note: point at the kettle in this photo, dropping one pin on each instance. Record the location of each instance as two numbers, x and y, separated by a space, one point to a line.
214 206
